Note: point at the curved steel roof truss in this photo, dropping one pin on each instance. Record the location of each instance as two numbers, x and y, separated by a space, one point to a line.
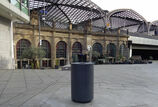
67 11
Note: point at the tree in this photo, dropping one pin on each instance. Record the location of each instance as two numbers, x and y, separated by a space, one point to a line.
95 56
34 54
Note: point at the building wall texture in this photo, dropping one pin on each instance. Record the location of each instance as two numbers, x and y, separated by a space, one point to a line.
6 39
53 36
30 32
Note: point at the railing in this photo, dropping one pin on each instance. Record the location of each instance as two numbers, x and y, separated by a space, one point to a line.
143 35
21 4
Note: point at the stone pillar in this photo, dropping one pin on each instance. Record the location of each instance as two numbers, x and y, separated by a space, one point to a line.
88 42
89 26
34 18
88 37
118 44
69 49
53 47
53 50
15 56
104 46
34 41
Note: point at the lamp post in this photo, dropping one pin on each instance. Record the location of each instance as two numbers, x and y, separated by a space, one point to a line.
43 14
89 47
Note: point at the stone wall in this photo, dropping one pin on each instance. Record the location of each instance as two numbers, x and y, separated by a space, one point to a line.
53 36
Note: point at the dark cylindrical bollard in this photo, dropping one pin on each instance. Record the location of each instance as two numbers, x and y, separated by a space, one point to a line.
82 77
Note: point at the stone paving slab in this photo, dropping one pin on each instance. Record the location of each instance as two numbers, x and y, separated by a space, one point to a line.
114 86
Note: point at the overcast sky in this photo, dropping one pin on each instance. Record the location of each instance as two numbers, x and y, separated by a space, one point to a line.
147 8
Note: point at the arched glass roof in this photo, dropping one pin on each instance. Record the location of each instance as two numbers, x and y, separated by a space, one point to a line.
127 18
67 11
153 28
79 12
155 23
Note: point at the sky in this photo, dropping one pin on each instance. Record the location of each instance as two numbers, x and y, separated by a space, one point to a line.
147 8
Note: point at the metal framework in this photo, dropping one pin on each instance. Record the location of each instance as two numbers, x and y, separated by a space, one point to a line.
67 11
60 13
153 28
128 19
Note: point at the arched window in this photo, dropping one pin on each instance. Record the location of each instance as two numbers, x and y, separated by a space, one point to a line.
122 49
111 50
76 48
98 48
21 46
46 47
61 49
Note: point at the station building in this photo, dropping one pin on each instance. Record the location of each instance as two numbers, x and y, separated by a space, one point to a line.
68 28
65 28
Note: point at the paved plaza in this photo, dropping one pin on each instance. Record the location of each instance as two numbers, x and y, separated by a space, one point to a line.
115 86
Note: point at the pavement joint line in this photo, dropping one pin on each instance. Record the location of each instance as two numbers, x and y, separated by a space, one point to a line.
18 93
3 73
112 88
51 84
25 79
6 84
11 98
38 77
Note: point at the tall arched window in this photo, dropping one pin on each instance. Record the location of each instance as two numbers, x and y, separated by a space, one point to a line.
76 48
98 48
61 49
122 49
111 50
46 62
21 46
46 47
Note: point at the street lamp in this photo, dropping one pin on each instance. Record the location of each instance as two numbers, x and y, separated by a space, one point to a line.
89 47
43 14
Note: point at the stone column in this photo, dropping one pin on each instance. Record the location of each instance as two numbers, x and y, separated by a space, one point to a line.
118 44
69 49
53 48
34 41
15 56
88 37
104 46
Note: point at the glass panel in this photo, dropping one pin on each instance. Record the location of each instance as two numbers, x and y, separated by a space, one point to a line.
46 63
122 47
77 48
111 50
16 3
46 47
98 48
24 9
21 46
61 50
24 3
